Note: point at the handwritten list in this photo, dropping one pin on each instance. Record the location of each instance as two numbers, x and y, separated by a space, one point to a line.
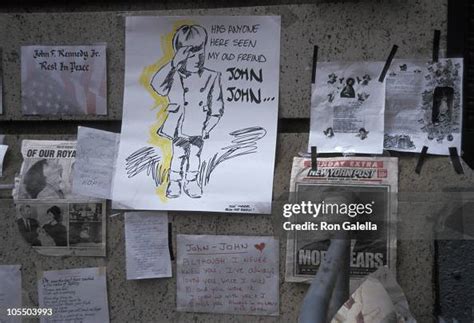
146 244
75 295
227 274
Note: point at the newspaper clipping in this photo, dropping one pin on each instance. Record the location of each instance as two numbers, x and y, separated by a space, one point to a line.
49 217
363 189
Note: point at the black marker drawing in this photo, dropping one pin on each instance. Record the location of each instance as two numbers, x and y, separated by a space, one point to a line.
147 159
200 102
195 107
244 143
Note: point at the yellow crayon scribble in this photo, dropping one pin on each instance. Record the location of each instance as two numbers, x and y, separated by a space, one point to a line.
161 103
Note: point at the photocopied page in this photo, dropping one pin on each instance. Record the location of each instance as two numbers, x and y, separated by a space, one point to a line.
10 293
63 80
424 105
146 245
347 108
75 295
228 274
200 114
96 154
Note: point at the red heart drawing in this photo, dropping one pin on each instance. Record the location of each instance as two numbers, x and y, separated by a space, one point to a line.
260 246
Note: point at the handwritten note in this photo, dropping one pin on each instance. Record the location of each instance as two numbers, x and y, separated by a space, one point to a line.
75 295
227 274
96 153
146 244
63 80
3 151
10 291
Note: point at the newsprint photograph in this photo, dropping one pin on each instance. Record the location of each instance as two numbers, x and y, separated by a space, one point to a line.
344 186
50 218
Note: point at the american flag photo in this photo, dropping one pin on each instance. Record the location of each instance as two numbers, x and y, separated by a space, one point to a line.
63 80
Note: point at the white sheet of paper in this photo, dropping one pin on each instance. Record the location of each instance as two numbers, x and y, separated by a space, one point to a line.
75 295
228 274
3 151
424 105
96 154
64 80
146 245
369 303
378 299
226 88
347 108
10 291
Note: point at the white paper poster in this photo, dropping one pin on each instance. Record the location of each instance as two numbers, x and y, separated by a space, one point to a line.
63 80
96 153
424 106
347 108
3 151
146 245
228 274
10 292
200 114
75 295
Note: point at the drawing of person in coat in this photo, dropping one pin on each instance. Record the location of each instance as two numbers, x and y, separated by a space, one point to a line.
195 107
